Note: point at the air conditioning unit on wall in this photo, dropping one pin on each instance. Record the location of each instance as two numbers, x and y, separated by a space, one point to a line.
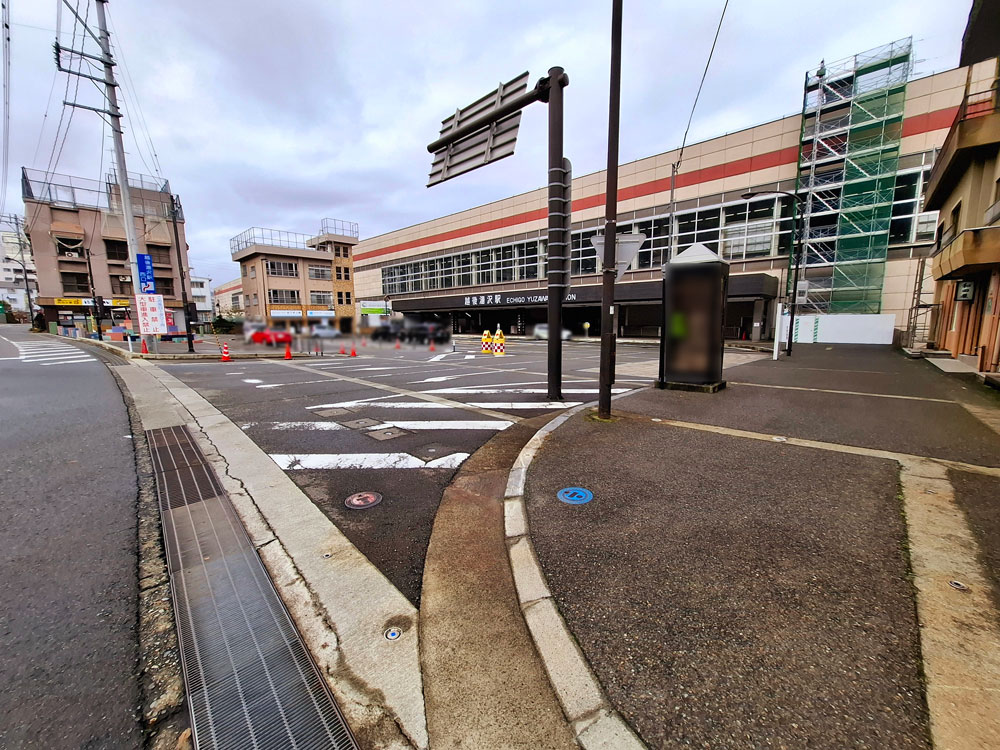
70 254
124 278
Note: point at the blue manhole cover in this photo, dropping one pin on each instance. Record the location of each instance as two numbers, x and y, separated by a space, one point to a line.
575 495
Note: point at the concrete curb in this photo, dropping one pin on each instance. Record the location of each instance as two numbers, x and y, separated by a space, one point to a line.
126 354
593 720
340 602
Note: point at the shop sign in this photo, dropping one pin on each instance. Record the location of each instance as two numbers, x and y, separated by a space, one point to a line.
369 307
74 301
320 313
965 291
490 300
152 317
286 313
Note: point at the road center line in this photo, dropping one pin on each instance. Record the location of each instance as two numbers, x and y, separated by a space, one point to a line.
845 393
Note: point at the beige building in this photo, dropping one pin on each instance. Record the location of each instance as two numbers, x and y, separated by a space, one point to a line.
293 280
965 189
78 245
859 156
228 299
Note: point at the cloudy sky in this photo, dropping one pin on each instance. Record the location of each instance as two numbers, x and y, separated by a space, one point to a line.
279 114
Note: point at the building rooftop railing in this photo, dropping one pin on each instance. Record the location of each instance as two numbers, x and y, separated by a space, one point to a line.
337 226
281 238
265 236
66 191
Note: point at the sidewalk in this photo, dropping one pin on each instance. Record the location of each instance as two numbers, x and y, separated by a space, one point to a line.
769 566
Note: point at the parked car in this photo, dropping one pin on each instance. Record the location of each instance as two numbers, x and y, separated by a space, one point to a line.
326 332
271 336
541 332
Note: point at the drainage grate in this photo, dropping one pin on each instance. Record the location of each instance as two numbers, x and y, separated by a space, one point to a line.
250 681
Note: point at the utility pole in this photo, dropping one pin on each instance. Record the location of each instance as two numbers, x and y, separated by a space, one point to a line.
608 268
24 265
180 270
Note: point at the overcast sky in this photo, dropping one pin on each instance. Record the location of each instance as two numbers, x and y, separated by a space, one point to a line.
279 114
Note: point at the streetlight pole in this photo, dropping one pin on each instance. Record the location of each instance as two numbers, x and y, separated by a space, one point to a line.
607 375
797 213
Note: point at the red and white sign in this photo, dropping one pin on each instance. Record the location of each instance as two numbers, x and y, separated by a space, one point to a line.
152 318
170 317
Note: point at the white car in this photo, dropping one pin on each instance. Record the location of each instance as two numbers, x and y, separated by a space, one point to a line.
542 332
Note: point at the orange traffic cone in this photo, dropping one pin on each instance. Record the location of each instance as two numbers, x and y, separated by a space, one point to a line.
288 351
432 346
225 354
363 342
397 343
145 349
342 349
354 352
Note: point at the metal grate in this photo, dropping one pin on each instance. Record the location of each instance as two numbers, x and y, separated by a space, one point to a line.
250 681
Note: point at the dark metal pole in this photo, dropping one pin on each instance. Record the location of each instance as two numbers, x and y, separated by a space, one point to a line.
180 270
610 220
797 260
558 238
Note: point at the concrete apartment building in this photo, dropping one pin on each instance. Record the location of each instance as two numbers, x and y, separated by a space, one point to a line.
201 298
858 155
292 280
78 243
228 299
14 251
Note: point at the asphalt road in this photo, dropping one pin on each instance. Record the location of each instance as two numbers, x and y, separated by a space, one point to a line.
426 413
68 578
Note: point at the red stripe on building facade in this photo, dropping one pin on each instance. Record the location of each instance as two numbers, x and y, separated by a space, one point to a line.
938 120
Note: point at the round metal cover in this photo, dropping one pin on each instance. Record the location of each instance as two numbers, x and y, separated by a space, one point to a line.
362 500
392 634
575 495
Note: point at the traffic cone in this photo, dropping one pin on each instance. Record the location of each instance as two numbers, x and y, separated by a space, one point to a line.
288 351
225 354
342 349
363 341
145 349
432 346
354 352
397 344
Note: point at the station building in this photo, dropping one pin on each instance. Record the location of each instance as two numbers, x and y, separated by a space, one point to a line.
858 156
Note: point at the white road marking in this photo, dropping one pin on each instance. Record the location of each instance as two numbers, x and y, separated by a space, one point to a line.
67 362
457 424
349 404
301 382
845 393
290 462
252 380
296 425
521 390
527 404
44 357
470 356
439 357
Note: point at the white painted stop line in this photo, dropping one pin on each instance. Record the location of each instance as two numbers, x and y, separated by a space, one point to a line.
450 424
521 390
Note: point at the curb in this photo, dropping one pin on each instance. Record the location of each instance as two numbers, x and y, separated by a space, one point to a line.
125 354
594 722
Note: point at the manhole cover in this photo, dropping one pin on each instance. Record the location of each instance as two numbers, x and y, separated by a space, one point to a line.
362 500
387 434
357 424
575 495
431 451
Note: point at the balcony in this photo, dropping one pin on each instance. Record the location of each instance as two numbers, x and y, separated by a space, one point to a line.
977 125
967 252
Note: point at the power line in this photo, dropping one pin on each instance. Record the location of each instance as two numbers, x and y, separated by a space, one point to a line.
704 73
133 95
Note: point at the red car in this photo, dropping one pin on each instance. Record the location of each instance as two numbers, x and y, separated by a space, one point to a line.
271 337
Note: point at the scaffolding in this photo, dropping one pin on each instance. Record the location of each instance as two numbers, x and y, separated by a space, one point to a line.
852 115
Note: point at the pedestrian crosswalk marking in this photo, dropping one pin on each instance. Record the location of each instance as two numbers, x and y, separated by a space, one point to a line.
456 424
292 462
43 354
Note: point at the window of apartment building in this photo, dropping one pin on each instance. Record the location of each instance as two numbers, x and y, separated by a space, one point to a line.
75 283
197 284
320 272
956 217
255 299
347 298
283 296
320 298
159 253
164 285
235 301
340 298
347 274
253 272
121 287
116 249
69 247
282 268
244 269
341 251
340 273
